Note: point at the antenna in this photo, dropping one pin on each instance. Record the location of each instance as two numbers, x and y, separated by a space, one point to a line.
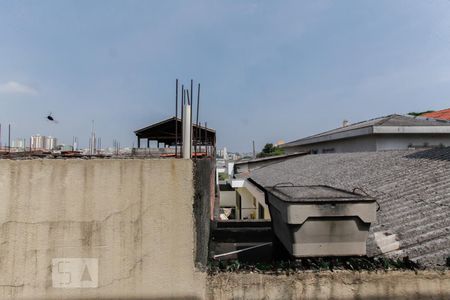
197 129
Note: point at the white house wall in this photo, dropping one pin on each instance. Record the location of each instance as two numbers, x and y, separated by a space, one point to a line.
396 142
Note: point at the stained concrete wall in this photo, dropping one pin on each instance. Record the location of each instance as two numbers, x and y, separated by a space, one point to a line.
203 208
331 285
136 217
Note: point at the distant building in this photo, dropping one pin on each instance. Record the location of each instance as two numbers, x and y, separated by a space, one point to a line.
440 114
40 142
222 153
50 143
37 142
393 132
280 142
18 144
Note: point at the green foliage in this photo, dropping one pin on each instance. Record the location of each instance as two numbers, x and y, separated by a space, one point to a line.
314 264
416 114
223 176
270 150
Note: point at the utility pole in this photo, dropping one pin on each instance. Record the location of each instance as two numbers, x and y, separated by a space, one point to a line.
254 151
93 142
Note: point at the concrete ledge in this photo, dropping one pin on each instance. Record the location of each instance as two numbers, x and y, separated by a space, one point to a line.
331 285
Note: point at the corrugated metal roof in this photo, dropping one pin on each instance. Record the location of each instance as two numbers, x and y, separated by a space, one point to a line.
412 188
441 114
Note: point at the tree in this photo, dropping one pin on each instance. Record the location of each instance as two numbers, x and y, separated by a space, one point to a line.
270 150
416 114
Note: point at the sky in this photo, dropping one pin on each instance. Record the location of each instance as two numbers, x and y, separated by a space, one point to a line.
269 70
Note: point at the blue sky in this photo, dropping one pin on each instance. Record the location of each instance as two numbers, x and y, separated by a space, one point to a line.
269 70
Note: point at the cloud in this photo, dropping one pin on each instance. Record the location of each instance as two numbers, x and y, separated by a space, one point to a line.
14 87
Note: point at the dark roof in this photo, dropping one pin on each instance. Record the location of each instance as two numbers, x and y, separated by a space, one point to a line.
386 121
164 131
412 188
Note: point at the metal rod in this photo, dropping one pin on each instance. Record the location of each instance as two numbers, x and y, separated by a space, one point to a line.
198 109
241 250
254 151
176 119
9 137
206 138
187 98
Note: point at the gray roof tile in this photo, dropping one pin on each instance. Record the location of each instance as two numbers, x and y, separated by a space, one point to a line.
412 188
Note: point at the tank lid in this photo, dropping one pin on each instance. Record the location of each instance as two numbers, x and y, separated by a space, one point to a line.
316 194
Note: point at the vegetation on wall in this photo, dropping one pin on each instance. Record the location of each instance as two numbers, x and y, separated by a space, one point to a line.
315 264
270 150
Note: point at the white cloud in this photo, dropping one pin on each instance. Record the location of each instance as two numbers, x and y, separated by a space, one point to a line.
14 87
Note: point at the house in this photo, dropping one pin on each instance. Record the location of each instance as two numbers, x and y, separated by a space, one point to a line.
440 114
411 187
393 132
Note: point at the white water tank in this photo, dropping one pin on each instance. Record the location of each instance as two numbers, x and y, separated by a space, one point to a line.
321 220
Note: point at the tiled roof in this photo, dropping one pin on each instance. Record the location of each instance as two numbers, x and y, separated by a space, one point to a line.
441 114
411 187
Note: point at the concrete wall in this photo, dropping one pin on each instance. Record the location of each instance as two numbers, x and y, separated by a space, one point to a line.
331 285
227 198
133 218
203 207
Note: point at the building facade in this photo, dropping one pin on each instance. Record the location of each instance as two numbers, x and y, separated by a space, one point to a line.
40 142
394 132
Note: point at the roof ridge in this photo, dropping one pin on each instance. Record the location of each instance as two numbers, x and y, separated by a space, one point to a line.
387 118
350 125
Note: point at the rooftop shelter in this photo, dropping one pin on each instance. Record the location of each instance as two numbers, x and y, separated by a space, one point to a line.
168 137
